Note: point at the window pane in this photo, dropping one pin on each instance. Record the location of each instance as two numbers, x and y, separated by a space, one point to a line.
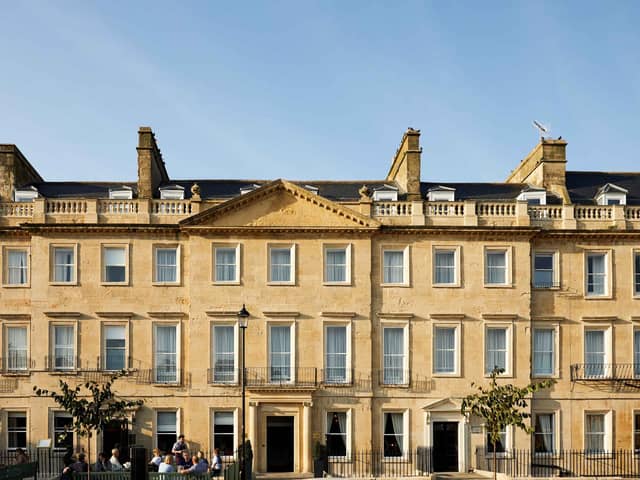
223 432
543 270
62 438
543 434
63 264
114 264
393 434
166 354
444 349
280 264
115 347
594 433
17 348
393 266
17 430
225 265
500 445
224 355
543 346
496 268
445 267
596 274
594 352
336 351
496 349
636 353
636 283
336 434
280 344
64 347
393 356
167 265
17 267
166 430
336 265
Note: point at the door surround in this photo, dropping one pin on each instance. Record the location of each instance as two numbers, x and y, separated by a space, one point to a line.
448 410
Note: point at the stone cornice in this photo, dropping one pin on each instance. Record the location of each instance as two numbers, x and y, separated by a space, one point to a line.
590 234
280 314
600 318
395 315
115 314
167 314
99 228
447 316
15 316
500 317
338 314
448 230
222 313
63 314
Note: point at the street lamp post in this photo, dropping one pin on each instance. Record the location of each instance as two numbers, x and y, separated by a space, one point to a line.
243 321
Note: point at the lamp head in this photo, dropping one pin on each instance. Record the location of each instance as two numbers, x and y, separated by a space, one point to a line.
243 317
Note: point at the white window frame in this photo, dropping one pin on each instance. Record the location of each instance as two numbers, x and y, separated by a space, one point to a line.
441 195
556 349
406 437
456 249
555 273
25 195
608 430
406 373
539 195
348 436
406 263
508 253
457 354
346 247
347 326
555 431
103 264
167 246
177 411
292 350
236 345
387 193
178 326
103 343
212 416
249 188
5 266
608 348
635 279
508 371
52 345
229 246
604 198
608 273
635 353
121 193
172 192
52 419
7 413
52 264
292 267
5 333
508 443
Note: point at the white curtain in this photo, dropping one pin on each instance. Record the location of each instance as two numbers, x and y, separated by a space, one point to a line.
280 265
280 353
336 266
546 430
64 348
596 274
543 343
17 346
594 438
224 353
496 267
63 260
636 353
393 266
444 350
445 267
166 264
594 352
397 421
166 354
17 267
336 354
225 264
393 355
496 349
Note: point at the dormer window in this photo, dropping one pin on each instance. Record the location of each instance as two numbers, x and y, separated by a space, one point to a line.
385 193
121 193
248 188
26 194
312 189
172 192
441 194
611 194
533 196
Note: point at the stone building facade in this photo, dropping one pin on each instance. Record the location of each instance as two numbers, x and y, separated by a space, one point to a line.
374 305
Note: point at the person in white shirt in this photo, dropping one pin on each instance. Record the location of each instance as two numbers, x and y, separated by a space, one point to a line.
166 466
116 466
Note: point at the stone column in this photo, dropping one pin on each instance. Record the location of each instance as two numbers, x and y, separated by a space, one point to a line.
307 465
470 217
253 432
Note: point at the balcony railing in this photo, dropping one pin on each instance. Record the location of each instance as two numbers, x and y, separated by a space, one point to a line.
223 375
160 376
392 376
16 364
282 377
605 371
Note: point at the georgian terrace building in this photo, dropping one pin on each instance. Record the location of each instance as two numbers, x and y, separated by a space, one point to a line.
374 305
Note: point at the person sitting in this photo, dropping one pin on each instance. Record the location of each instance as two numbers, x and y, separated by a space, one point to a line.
116 466
166 466
102 464
80 466
21 457
155 461
200 457
216 463
197 467
187 461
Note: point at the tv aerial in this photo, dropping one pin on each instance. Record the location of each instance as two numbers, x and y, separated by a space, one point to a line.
545 130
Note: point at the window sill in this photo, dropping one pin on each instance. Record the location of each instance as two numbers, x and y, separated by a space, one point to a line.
598 297
166 384
114 284
502 375
228 284
446 375
166 284
281 284
336 284
545 375
344 384
446 285
395 285
16 373
16 285
499 285
72 371
395 385
63 284
230 383
543 289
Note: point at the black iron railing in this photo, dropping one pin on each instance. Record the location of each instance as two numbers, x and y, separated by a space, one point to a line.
223 376
16 365
563 463
50 462
605 371
394 377
374 463
159 375
282 377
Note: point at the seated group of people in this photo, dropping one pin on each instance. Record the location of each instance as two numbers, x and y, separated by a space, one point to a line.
181 461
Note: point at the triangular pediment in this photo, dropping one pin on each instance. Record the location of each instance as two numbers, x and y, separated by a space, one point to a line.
280 204
443 405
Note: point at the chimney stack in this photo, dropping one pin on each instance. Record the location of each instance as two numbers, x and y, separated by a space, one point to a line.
405 168
151 169
15 171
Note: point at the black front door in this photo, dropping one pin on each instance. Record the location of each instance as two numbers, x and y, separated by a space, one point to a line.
279 444
445 446
116 435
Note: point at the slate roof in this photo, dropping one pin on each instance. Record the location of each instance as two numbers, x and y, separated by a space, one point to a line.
582 186
485 191
79 189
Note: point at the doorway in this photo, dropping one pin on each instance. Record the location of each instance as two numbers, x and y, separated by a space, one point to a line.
116 435
445 446
280 444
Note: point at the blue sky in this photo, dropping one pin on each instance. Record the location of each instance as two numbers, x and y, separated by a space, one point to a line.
317 90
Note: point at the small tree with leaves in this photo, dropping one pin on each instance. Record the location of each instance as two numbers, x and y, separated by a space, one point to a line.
501 406
92 408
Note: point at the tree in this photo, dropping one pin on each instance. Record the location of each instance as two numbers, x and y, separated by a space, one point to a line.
501 406
92 409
